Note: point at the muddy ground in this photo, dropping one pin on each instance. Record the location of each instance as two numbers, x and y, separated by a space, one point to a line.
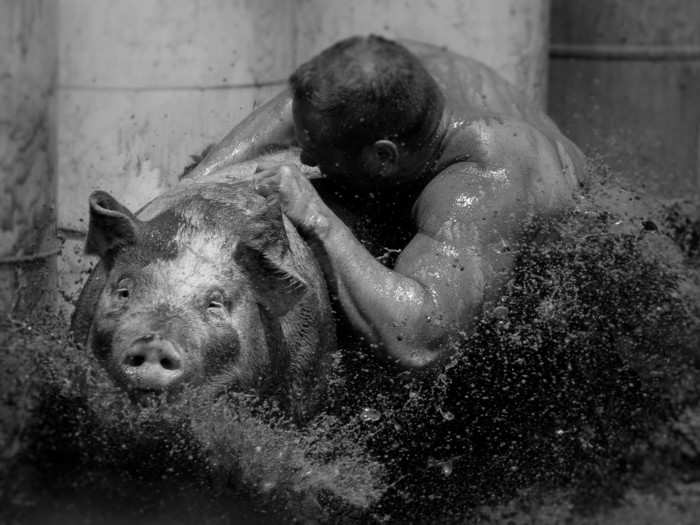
576 400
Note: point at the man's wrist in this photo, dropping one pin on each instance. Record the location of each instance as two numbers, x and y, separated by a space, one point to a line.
325 224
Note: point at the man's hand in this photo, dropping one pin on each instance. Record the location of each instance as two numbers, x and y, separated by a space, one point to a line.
298 198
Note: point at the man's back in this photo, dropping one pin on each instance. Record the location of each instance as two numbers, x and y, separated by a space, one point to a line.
474 91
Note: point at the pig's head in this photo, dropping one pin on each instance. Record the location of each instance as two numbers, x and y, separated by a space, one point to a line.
195 294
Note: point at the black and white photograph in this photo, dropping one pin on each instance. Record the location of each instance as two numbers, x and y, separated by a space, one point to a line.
349 262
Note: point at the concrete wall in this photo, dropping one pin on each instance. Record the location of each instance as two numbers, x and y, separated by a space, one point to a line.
27 191
144 84
625 85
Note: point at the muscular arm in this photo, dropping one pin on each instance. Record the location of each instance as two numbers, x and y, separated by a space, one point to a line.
440 280
469 220
268 126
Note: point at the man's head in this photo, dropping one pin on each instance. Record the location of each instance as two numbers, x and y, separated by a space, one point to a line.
364 109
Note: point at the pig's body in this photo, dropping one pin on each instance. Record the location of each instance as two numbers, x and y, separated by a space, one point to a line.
207 284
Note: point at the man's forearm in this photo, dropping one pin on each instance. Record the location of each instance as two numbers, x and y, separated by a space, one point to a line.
391 310
409 312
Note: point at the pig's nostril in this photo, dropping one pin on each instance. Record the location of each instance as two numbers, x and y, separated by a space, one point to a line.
169 364
155 365
134 360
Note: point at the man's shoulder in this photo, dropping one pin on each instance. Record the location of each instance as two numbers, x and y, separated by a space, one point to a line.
454 184
491 141
467 193
513 171
521 146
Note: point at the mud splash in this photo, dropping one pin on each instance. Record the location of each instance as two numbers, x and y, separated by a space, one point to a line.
77 449
582 380
577 394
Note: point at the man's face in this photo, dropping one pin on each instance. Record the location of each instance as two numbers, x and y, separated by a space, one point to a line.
315 151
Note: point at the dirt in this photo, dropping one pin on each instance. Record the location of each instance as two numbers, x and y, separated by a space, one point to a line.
576 400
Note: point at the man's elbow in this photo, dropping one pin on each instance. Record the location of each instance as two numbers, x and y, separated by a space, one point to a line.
426 346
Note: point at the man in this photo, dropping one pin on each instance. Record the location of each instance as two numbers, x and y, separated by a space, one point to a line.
439 140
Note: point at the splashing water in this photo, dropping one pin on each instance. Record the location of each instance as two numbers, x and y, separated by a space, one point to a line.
370 415
583 380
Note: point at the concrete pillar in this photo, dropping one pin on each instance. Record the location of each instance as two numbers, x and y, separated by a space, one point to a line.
27 189
509 35
144 84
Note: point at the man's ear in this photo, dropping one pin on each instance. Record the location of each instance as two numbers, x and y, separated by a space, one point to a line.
112 225
382 158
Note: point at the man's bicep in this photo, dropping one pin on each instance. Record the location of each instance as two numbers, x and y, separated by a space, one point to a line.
468 203
473 217
451 275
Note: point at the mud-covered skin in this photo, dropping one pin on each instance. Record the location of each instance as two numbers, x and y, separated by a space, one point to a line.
492 163
208 284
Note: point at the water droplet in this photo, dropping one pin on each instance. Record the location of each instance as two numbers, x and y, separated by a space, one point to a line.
446 468
370 415
500 312
447 415
267 486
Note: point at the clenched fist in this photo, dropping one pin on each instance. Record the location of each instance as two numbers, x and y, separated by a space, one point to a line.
299 200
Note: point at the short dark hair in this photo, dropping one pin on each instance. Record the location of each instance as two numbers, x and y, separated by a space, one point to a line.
367 89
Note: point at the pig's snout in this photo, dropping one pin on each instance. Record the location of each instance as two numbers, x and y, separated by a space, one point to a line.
152 363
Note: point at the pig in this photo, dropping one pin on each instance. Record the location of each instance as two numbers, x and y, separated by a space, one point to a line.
208 284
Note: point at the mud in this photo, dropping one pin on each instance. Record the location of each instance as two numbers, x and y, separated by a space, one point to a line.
575 400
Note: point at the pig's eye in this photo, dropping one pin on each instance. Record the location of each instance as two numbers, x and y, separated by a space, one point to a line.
123 288
216 300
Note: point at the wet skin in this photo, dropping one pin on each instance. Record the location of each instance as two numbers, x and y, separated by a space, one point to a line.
492 163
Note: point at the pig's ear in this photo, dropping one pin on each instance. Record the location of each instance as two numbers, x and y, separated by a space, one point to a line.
277 285
111 225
